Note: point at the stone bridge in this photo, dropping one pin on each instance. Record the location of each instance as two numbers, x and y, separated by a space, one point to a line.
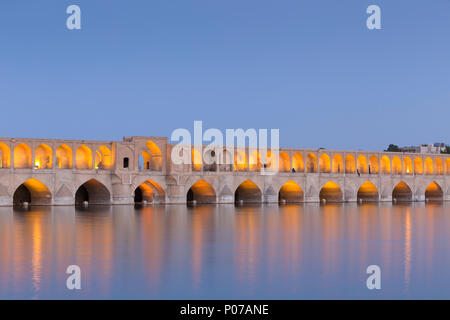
140 169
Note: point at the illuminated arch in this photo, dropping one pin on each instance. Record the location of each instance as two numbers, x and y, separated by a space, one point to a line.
151 157
103 158
149 191
418 166
374 165
402 193
240 160
64 157
331 192
434 192
291 193
285 162
428 163
385 165
34 192
396 165
94 192
407 166
447 166
271 161
255 161
201 192
439 166
43 157
22 156
196 160
83 158
362 164
298 163
368 192
324 163
5 156
248 192
311 163
337 164
350 164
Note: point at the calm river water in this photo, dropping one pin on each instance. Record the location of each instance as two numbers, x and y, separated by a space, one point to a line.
224 252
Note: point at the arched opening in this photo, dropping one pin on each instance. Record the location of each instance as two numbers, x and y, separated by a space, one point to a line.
324 163
43 157
402 193
331 192
103 158
5 156
22 156
439 166
396 165
418 166
337 164
428 166
152 157
64 157
311 163
285 162
255 161
196 160
298 164
385 165
447 166
290 192
94 192
368 192
83 158
149 191
350 164
271 162
202 193
362 164
434 193
240 160
374 167
247 192
33 192
407 166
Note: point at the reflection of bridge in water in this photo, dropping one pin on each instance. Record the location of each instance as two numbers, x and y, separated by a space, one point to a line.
137 169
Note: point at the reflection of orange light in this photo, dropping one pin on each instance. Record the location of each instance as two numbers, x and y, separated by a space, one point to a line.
37 164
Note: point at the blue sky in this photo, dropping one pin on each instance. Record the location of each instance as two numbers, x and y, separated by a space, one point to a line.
310 68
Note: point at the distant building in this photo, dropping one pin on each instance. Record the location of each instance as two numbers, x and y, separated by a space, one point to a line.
425 148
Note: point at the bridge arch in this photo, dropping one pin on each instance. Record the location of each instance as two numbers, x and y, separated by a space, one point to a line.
361 164
324 163
255 161
201 192
418 165
428 163
311 163
240 160
350 164
94 192
407 166
64 157
103 158
248 192
385 165
298 163
402 193
196 160
5 156
34 192
291 192
439 166
284 162
396 165
367 192
337 164
149 191
374 165
83 158
43 157
447 166
22 156
434 192
331 192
